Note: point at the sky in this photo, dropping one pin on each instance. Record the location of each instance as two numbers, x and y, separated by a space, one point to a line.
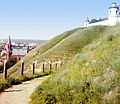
45 19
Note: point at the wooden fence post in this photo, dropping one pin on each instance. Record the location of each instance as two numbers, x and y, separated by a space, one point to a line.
22 67
33 67
5 69
43 67
56 66
61 64
50 67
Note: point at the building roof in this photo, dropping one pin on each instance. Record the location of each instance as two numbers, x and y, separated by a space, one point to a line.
19 52
95 20
114 5
9 40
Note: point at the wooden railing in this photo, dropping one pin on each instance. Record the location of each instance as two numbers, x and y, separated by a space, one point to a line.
44 65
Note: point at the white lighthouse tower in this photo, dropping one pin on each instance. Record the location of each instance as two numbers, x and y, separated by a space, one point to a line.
113 17
113 14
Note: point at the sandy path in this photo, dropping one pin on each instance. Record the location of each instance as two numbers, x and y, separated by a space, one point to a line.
19 94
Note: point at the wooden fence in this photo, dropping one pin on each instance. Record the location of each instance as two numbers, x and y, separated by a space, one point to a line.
43 66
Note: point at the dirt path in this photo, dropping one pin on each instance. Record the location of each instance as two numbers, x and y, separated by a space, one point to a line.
19 94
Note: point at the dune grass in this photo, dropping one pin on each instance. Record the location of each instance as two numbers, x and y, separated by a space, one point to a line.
91 77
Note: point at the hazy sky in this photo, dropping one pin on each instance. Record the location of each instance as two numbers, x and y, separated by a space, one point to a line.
44 19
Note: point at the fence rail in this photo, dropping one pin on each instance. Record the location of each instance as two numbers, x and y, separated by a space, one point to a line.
43 66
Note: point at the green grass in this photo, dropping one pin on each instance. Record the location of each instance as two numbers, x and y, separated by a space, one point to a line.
92 76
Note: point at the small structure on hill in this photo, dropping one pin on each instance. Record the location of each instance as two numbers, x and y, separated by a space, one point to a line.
113 18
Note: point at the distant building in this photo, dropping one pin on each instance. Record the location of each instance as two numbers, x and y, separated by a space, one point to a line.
16 51
113 18
8 48
19 52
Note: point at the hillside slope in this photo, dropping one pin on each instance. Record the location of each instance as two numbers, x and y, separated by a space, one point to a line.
31 56
63 47
91 77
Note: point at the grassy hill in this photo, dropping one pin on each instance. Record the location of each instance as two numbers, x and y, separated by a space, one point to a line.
37 52
93 74
63 47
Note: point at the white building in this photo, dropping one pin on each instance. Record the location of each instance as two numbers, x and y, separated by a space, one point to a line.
113 18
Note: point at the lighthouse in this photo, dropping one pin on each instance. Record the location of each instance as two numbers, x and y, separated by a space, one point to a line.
113 14
112 19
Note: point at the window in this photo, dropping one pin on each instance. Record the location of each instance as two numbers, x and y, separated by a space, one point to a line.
110 12
116 12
